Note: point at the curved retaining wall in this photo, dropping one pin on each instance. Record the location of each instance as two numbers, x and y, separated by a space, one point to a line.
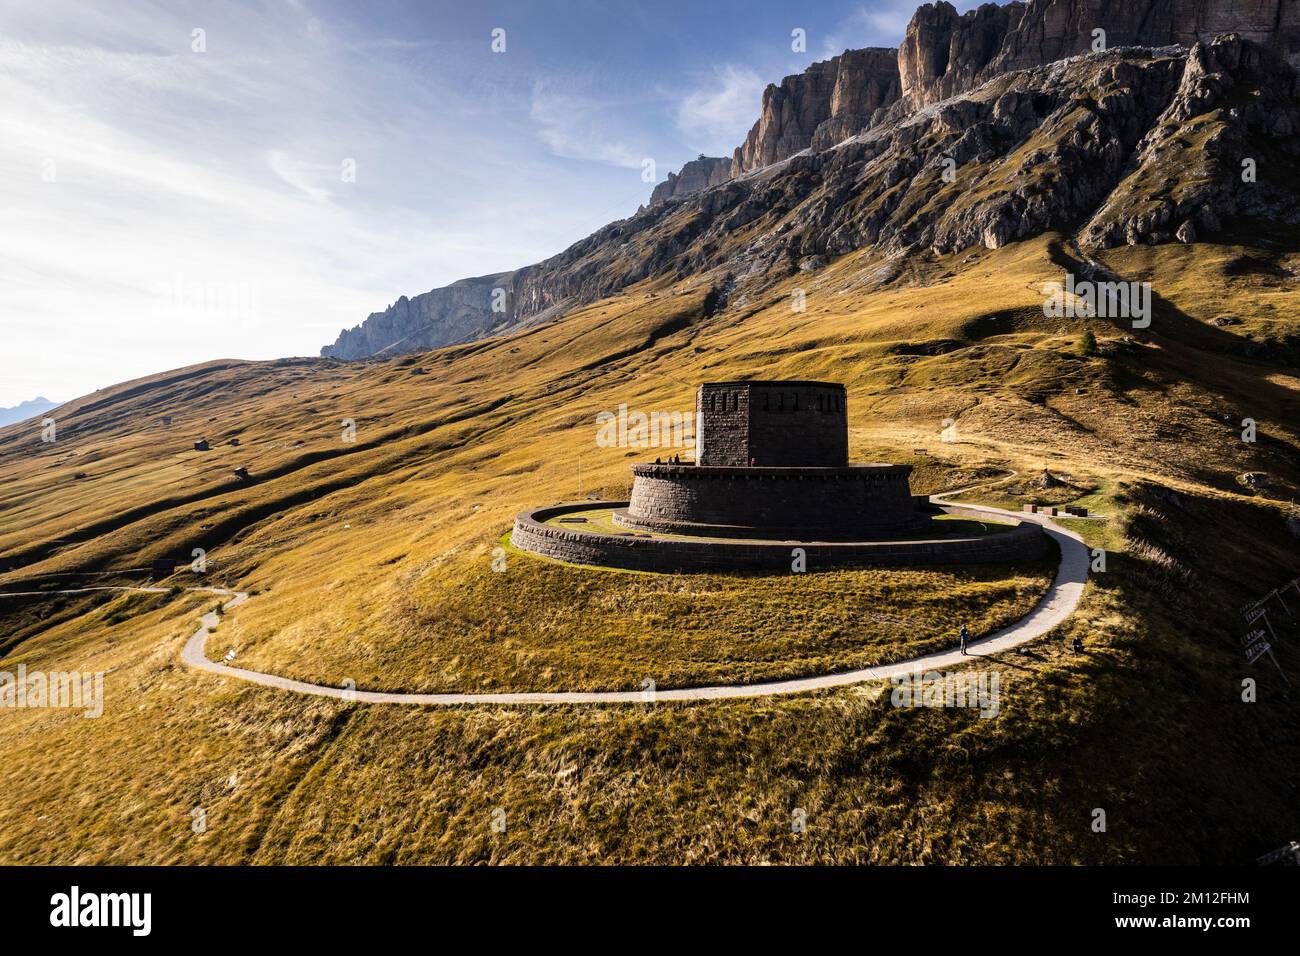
1026 542
856 502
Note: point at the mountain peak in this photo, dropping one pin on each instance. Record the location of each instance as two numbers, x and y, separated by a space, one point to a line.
953 93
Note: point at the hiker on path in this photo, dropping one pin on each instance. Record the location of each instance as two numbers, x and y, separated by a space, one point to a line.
965 638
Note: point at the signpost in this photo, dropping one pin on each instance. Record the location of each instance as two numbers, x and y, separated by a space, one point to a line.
1255 643
1293 585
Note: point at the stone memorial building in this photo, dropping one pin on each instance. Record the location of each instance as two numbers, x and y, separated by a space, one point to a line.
772 462
771 476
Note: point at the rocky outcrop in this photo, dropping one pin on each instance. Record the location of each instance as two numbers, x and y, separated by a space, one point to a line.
460 312
1054 29
1186 176
827 103
790 114
945 53
698 174
866 83
1046 149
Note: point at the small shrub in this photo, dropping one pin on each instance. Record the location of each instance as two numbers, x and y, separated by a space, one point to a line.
1088 344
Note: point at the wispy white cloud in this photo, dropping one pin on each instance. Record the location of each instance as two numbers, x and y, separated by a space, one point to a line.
881 24
138 178
578 126
716 115
221 170
297 175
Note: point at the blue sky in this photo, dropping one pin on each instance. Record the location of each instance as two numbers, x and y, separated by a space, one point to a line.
170 196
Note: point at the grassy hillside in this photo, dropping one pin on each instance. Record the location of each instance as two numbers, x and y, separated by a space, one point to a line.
540 625
371 560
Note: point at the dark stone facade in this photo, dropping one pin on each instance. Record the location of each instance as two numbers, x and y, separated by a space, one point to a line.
1025 542
772 461
859 502
772 424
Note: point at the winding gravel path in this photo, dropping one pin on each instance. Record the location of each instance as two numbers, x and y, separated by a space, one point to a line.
1054 607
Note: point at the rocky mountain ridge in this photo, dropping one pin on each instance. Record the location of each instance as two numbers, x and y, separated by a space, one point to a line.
27 409
699 173
460 312
946 53
946 143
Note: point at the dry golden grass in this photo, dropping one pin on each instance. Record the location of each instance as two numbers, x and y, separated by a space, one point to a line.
541 625
370 560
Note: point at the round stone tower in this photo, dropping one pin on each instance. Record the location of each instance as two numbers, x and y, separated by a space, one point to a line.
772 462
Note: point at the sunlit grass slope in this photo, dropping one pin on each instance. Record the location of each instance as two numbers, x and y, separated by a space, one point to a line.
371 560
541 625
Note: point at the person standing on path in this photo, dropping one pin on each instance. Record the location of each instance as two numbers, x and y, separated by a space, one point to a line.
965 638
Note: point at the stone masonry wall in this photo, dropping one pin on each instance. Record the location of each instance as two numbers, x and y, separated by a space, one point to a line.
1026 542
798 423
777 424
723 417
842 503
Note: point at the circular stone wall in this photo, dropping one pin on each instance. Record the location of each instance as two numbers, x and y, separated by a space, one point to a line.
857 502
1025 542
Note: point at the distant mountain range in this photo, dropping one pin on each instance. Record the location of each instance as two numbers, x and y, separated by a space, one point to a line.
1115 121
25 410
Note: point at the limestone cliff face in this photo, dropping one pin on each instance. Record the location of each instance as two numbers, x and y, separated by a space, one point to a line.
790 114
698 174
866 83
823 105
1053 29
945 53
